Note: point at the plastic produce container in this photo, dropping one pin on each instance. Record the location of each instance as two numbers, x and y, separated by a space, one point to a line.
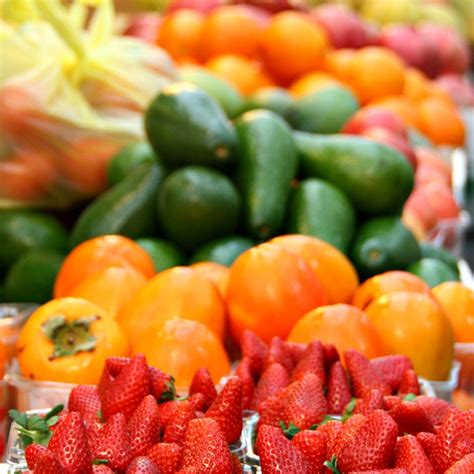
446 388
463 396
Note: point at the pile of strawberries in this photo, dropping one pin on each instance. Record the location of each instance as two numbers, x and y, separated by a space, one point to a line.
386 426
316 415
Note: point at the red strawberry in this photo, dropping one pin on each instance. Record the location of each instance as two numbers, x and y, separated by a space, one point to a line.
161 385
49 464
409 383
33 452
395 470
427 442
391 368
364 376
313 446
274 378
101 469
198 401
205 448
236 466
330 355
454 440
409 455
271 411
278 454
436 409
279 353
463 466
115 364
296 349
256 350
312 362
372 445
202 383
372 401
226 409
142 465
410 418
344 435
339 392
167 457
70 445
331 430
244 372
175 430
85 400
111 443
144 426
167 411
125 392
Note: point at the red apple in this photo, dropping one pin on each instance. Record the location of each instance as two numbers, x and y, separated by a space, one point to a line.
204 6
441 199
458 88
144 26
426 174
418 205
429 157
374 116
416 50
344 28
450 47
391 139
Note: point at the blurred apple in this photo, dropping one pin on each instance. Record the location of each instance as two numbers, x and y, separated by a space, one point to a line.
345 29
276 6
429 157
418 205
441 199
391 139
416 50
144 26
453 52
412 222
458 88
204 6
370 117
426 174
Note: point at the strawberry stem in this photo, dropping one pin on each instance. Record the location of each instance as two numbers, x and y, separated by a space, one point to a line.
332 465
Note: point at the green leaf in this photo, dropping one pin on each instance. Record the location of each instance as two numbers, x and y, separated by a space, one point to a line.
54 411
19 418
291 431
410 397
51 326
97 462
349 409
36 423
99 415
332 465
52 421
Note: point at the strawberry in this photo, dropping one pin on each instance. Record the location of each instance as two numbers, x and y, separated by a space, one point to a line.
167 411
70 445
271 411
144 426
175 430
364 376
85 400
409 383
463 466
331 430
198 401
111 443
339 392
124 393
161 385
101 469
296 349
410 417
312 362
33 452
427 442
313 446
279 353
391 368
166 456
226 409
395 470
205 448
344 434
202 383
243 371
409 455
371 446
436 409
49 464
330 355
115 364
236 465
454 440
274 378
278 454
142 465
372 401
256 350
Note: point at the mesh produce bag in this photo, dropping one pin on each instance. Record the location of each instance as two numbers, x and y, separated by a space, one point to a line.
70 96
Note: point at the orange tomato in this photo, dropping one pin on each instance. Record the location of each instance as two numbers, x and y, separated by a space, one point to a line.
269 289
338 63
448 131
457 302
310 83
415 325
176 292
244 74
292 45
68 340
180 33
342 325
230 29
106 288
376 73
95 255
218 274
415 85
402 107
335 271
180 347
386 283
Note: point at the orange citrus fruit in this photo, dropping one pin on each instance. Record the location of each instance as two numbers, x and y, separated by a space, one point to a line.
216 272
415 325
180 347
335 271
402 107
97 254
457 301
342 325
310 83
415 85
338 63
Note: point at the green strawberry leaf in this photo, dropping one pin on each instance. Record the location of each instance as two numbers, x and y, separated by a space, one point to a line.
332 465
54 411
291 431
349 410
97 462
19 418
52 421
100 416
325 420
410 397
36 423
